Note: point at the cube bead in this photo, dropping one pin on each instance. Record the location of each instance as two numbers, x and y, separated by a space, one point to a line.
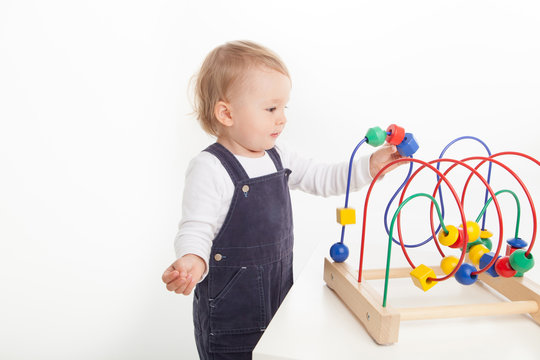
420 276
346 216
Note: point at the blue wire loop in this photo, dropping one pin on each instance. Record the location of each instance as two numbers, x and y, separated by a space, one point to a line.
488 177
440 191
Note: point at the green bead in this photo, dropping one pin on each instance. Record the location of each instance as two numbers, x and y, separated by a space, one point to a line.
487 243
520 262
376 136
476 242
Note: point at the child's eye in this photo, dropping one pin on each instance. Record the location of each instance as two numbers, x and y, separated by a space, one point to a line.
272 109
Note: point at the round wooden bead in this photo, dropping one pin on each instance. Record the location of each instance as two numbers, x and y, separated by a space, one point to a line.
339 252
464 274
485 234
396 136
517 243
450 238
487 243
484 260
408 146
448 263
460 241
520 262
476 253
376 136
503 267
473 230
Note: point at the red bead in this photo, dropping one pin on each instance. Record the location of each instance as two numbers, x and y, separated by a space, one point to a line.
397 134
460 241
503 267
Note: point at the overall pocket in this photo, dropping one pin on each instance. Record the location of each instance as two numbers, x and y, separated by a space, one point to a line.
238 300
237 308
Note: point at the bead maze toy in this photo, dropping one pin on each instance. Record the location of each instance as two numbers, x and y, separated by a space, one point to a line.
477 261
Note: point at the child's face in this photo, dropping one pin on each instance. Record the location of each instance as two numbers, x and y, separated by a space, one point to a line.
257 109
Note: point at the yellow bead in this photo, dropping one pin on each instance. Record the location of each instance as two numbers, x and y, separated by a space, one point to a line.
450 238
448 264
473 230
346 216
476 252
420 276
485 234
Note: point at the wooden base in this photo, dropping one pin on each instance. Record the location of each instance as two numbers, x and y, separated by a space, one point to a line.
383 323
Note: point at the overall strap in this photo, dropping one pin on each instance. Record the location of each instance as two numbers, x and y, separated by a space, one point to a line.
229 162
275 158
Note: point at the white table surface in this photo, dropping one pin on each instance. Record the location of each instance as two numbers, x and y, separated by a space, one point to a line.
313 323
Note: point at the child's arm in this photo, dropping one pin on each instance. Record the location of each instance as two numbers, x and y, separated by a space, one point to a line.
202 207
330 179
183 274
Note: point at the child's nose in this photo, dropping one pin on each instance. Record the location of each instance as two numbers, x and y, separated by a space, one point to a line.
281 120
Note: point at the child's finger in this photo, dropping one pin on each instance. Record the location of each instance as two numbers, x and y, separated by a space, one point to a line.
190 287
177 284
169 276
182 287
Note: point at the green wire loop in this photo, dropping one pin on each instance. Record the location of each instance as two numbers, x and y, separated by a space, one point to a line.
390 236
517 205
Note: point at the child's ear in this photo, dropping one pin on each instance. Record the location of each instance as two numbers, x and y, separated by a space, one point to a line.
222 111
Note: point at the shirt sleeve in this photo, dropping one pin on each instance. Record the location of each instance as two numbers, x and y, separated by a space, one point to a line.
324 179
201 206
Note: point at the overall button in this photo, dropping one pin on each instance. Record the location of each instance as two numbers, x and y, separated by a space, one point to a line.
218 257
245 188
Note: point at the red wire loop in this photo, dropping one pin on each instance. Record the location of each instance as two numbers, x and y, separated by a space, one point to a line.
531 203
466 235
460 203
364 220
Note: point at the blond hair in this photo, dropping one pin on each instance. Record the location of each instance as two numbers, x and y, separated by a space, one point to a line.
222 67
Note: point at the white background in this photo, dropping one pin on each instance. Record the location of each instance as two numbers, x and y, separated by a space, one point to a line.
95 136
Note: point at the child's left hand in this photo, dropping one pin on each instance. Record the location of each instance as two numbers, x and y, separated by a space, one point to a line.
383 157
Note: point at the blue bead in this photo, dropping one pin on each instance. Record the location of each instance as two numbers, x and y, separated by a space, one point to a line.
408 146
517 243
463 275
339 252
484 260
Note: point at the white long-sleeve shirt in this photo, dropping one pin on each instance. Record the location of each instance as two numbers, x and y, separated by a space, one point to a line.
209 189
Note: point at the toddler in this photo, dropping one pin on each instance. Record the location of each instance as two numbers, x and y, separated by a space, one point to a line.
235 238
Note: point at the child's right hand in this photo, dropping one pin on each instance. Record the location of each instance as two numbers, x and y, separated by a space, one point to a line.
183 274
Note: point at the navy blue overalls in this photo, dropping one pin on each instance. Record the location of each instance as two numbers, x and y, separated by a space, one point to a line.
250 266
